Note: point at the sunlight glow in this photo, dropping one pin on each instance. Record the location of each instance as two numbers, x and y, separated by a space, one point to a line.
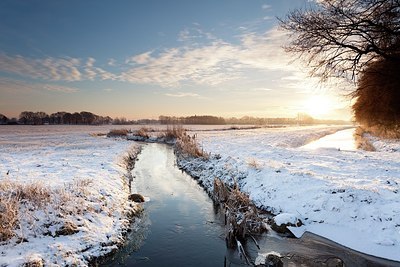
318 105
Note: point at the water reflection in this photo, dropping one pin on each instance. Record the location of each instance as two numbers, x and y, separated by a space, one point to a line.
180 226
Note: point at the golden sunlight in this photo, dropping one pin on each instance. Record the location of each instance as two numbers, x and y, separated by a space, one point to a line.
318 105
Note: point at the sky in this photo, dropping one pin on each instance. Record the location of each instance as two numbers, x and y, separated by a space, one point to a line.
141 59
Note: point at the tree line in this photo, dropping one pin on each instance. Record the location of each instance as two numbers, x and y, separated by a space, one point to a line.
88 118
301 118
62 117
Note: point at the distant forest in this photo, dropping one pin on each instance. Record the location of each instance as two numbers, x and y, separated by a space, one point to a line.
88 118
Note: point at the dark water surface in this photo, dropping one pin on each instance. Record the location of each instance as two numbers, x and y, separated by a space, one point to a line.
180 226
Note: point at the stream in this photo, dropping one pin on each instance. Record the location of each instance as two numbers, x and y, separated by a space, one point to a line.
180 226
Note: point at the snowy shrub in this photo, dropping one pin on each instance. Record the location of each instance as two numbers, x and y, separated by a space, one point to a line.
254 164
143 132
362 141
13 196
174 133
241 215
118 133
188 146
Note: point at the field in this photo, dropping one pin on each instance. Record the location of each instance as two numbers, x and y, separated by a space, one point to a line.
347 195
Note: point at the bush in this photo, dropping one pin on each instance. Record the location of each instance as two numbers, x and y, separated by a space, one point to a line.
361 141
118 133
188 146
378 97
174 133
12 194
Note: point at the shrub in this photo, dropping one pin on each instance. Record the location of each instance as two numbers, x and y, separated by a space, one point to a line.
378 96
174 133
253 163
118 133
188 146
361 141
12 195
241 215
143 132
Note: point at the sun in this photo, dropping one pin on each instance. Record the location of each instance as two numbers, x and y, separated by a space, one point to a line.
318 105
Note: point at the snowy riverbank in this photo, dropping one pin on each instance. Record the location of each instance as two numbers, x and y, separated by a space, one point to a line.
346 195
84 209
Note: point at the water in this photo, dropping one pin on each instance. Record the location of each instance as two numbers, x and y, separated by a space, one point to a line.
341 140
180 226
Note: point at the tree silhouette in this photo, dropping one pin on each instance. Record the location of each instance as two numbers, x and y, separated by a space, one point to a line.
357 40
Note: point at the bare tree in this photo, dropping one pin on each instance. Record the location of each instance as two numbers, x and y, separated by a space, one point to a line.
341 37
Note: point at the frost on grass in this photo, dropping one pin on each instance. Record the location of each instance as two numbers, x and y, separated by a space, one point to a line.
63 197
350 197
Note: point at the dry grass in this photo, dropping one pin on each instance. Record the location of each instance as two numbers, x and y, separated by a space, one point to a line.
19 203
188 146
241 215
12 196
361 141
254 164
143 132
385 132
173 133
118 133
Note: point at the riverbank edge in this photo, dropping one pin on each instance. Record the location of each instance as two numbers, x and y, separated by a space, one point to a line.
132 210
199 168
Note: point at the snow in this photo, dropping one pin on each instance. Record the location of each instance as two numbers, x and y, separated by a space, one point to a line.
341 193
285 218
349 196
88 189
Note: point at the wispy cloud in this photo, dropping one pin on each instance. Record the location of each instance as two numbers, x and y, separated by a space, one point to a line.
172 67
212 63
265 6
55 69
200 59
11 85
180 94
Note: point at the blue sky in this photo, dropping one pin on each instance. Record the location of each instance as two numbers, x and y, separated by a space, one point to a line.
142 59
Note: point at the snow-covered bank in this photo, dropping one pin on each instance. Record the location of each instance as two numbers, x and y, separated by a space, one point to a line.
87 211
351 197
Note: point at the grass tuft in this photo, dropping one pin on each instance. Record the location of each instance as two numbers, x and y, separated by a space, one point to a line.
12 196
173 133
254 164
118 133
188 146
362 141
241 215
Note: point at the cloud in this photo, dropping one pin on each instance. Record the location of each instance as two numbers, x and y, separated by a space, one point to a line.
211 63
171 67
55 69
93 72
201 59
265 6
13 86
112 62
140 59
261 89
180 94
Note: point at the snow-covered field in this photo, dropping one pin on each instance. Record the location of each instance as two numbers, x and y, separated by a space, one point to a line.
347 195
339 192
84 177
